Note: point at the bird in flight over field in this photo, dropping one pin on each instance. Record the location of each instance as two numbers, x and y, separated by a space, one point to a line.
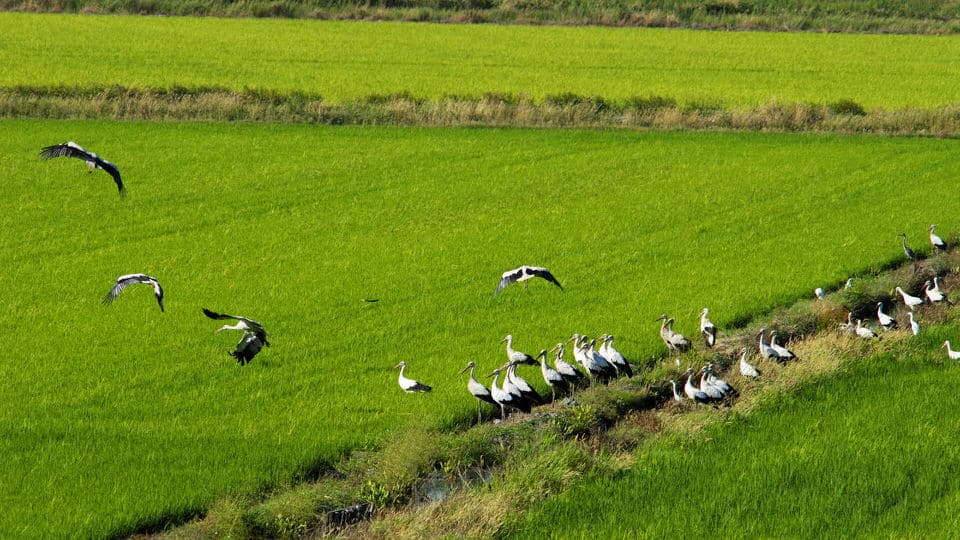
125 281
523 274
74 150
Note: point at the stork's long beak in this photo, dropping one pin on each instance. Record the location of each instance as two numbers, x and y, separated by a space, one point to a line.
396 366
470 365
502 340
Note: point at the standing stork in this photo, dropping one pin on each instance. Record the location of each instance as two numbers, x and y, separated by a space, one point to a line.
528 392
614 357
503 398
695 394
552 377
914 325
676 397
410 385
523 274
907 251
908 299
74 150
254 335
864 332
125 281
935 240
478 390
569 373
746 369
707 329
765 350
886 321
952 354
783 353
517 356
520 401
933 292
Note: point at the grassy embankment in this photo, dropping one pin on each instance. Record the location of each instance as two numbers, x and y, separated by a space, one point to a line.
883 16
295 225
313 71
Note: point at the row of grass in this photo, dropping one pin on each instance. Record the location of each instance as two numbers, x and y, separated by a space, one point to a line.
220 104
345 61
870 452
846 16
295 225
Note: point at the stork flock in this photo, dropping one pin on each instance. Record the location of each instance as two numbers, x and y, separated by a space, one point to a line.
253 337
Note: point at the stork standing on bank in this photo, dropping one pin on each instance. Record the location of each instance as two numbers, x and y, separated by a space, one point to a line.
613 356
74 150
747 369
528 392
479 391
765 350
253 339
914 325
864 332
937 242
410 385
707 329
952 354
517 356
552 377
695 394
886 321
569 373
908 299
125 281
523 274
933 292
503 398
782 352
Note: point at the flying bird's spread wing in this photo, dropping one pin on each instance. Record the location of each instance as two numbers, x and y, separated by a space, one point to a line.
67 149
74 150
254 326
545 274
125 281
510 276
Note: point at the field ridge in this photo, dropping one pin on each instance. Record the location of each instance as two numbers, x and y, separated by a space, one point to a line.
568 110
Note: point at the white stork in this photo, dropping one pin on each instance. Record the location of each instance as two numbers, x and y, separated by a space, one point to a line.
571 374
712 391
914 325
937 242
613 356
253 339
676 397
707 329
819 294
765 350
908 299
552 377
716 382
74 150
528 392
746 369
952 354
519 401
848 284
517 356
782 352
503 398
863 331
933 292
478 390
886 321
692 392
125 281
523 274
410 385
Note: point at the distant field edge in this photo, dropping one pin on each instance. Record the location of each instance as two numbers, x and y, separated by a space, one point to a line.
938 17
220 104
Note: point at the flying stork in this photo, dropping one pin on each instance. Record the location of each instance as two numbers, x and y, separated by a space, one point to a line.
707 329
908 299
523 274
125 281
74 150
936 241
253 339
479 391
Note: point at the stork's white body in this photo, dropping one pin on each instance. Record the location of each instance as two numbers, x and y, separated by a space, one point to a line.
886 321
782 352
864 332
707 329
692 392
746 369
908 299
937 242
914 325
952 354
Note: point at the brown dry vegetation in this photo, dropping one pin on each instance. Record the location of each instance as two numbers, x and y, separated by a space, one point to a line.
561 111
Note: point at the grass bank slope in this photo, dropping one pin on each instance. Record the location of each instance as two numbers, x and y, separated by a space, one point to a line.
117 417
349 60
872 452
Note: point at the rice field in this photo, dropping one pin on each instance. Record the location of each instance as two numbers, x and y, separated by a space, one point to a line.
344 61
117 417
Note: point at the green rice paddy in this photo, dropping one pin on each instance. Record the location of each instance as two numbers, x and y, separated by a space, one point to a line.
345 61
120 416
